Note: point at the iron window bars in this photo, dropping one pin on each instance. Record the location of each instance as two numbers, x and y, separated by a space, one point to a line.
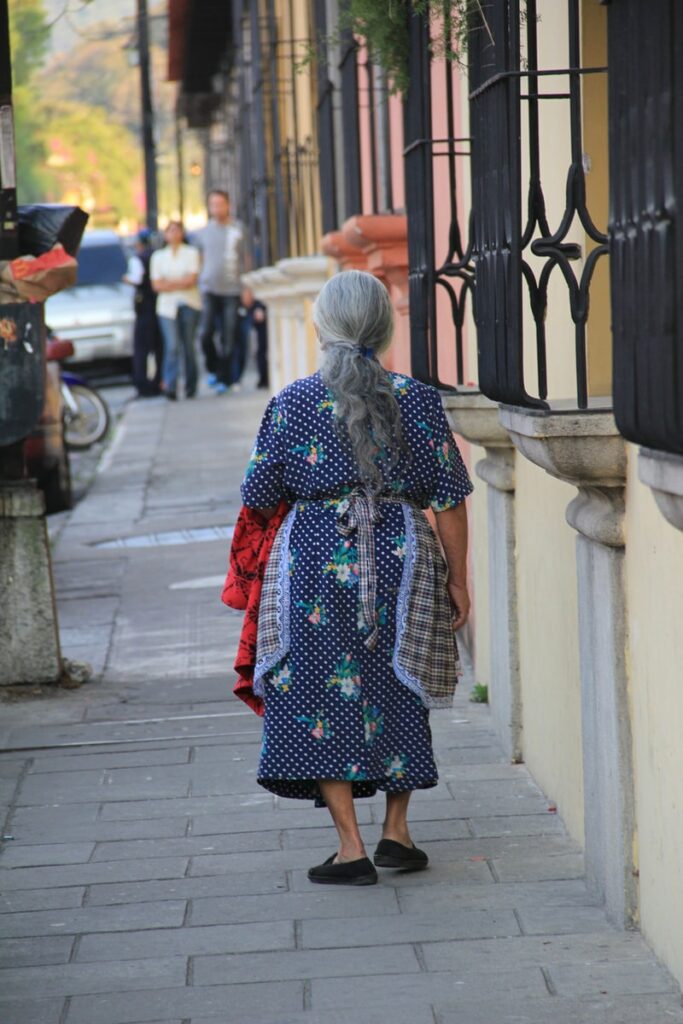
645 47
501 238
452 271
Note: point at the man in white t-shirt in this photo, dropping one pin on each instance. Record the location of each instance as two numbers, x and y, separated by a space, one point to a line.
174 271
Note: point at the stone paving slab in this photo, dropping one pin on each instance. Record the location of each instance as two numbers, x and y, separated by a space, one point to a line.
248 883
46 949
86 919
269 999
355 962
273 935
383 989
31 1011
313 908
33 829
72 978
23 900
650 1009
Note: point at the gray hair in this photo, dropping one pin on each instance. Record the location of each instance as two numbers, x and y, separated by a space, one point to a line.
353 313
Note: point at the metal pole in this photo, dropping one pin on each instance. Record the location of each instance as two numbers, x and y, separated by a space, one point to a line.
9 228
180 161
147 118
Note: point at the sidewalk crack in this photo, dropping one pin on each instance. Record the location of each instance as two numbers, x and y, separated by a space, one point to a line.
549 984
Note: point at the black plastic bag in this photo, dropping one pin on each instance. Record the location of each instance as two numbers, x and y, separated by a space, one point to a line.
43 225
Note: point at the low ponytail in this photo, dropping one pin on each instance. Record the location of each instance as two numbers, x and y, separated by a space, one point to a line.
355 319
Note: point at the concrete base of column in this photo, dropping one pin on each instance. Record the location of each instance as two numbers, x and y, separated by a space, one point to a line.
606 729
29 637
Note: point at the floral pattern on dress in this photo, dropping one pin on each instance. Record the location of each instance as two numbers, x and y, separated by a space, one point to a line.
315 610
282 676
396 765
381 611
318 725
278 419
446 455
400 546
327 404
293 559
427 429
344 564
373 721
354 773
346 676
254 460
401 384
313 452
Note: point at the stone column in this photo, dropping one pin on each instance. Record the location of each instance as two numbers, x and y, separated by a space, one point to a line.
29 637
585 449
306 275
475 417
663 473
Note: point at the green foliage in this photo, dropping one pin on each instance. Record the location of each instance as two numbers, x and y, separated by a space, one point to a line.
98 163
384 25
479 694
29 38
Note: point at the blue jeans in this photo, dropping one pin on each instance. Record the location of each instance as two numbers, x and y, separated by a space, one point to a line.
179 334
219 319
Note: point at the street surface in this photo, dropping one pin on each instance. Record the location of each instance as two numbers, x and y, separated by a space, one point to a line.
150 879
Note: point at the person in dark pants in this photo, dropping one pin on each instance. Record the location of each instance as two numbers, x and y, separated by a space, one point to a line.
147 339
220 243
251 316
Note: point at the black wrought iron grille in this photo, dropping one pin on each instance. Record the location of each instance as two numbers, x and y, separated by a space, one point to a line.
429 271
646 239
502 232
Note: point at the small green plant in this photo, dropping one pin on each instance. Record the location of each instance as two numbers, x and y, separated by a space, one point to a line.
480 694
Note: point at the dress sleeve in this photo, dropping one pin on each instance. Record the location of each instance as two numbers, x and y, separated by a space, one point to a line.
263 483
451 481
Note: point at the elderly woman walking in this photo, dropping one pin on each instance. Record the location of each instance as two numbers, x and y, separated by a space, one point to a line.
358 610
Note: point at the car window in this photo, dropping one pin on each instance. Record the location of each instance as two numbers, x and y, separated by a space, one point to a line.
101 264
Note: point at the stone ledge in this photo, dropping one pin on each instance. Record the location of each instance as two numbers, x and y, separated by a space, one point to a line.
581 448
663 474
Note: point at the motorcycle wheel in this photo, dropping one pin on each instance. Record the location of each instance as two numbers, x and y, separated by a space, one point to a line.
90 423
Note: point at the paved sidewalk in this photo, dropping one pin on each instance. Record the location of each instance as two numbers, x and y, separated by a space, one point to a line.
149 879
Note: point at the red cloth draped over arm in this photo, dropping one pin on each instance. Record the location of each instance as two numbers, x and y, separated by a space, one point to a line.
251 545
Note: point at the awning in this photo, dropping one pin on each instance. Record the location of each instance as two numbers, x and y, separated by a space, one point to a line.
200 32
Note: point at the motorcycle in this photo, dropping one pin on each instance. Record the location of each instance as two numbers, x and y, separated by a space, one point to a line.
86 414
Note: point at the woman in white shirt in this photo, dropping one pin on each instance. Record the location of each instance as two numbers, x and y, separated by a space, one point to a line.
174 271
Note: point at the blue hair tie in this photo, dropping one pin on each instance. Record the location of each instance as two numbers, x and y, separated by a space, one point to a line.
367 351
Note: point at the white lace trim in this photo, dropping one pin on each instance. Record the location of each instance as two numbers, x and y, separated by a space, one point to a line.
283 605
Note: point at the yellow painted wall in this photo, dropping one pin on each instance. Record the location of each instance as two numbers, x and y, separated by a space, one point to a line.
548 640
654 581
479 579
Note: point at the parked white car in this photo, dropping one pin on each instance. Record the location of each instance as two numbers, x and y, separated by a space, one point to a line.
97 314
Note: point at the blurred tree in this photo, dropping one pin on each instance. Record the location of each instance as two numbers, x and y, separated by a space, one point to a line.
29 39
94 162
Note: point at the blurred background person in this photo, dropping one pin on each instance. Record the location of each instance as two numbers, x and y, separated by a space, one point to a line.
251 319
174 273
220 243
147 339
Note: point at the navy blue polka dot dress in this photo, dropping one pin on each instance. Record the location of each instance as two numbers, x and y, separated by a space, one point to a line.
335 709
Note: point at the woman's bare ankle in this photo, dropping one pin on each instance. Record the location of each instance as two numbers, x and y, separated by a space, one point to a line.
397 834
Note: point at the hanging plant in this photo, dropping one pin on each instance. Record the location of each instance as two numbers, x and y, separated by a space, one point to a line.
384 26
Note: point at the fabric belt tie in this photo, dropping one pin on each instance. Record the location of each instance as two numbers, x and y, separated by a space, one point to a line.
360 514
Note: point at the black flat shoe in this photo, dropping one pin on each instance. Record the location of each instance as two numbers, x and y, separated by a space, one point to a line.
390 854
351 872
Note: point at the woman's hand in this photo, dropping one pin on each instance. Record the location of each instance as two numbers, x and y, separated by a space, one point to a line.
461 601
